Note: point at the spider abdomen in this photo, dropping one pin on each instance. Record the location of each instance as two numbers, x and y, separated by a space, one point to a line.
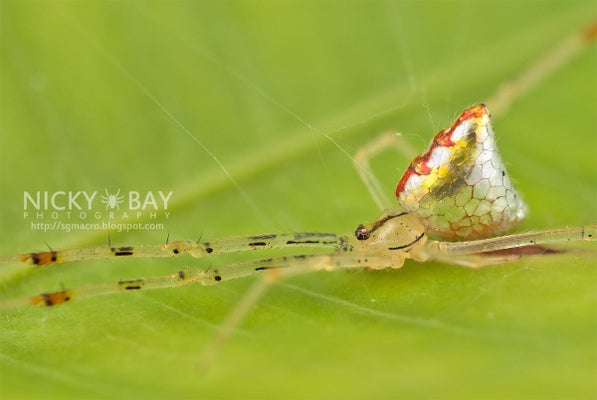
460 187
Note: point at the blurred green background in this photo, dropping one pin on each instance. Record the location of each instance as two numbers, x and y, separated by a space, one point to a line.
160 95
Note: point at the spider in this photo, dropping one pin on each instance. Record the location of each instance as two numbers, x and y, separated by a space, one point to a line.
454 200
112 201
457 189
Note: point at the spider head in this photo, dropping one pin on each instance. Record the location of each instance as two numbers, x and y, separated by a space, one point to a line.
392 231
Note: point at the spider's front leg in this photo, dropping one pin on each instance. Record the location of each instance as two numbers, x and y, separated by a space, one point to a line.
361 159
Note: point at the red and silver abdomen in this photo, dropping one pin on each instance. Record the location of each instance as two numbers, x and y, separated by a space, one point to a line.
460 188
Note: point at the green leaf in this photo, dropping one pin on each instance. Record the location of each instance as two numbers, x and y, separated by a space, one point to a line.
248 111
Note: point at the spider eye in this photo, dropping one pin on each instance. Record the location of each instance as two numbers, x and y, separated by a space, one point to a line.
361 232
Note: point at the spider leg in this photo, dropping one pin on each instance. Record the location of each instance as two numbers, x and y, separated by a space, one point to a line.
196 249
280 267
233 320
484 252
365 153
561 53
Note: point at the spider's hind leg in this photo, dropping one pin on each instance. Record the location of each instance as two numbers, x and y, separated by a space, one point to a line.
503 249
